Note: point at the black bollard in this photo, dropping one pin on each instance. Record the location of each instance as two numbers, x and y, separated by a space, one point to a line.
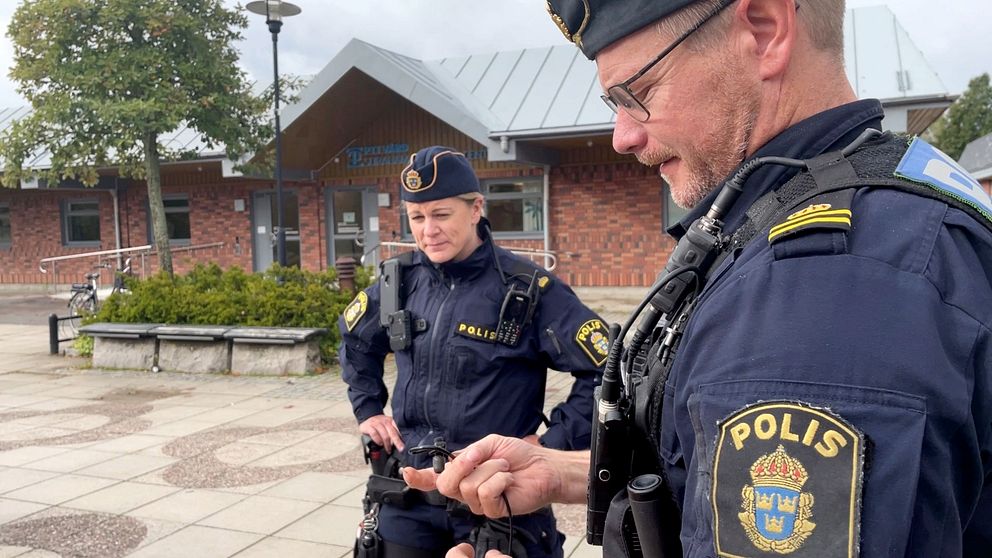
53 334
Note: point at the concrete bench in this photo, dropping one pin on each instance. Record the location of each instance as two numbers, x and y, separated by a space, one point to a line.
275 350
201 349
123 345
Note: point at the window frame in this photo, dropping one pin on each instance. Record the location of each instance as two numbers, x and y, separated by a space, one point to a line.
6 244
172 241
67 213
670 213
406 235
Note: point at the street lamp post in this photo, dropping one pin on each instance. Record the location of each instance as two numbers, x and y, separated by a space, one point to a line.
274 11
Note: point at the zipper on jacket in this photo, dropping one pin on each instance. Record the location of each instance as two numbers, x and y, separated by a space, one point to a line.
430 359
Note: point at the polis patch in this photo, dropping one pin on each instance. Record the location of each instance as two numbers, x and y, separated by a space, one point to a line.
787 480
354 311
477 332
594 339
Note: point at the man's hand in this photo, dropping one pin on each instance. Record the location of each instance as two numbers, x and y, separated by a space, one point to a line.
465 550
530 476
382 429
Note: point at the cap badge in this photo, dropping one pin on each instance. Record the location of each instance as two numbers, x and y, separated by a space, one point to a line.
412 180
575 37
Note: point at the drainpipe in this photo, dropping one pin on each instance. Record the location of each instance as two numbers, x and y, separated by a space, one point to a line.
547 212
117 220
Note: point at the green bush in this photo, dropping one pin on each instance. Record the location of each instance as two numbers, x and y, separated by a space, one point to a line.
208 295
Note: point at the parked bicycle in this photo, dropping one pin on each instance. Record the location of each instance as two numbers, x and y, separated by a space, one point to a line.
85 301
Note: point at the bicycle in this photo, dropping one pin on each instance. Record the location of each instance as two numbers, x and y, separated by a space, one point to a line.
86 302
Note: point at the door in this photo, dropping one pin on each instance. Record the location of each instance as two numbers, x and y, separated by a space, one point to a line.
354 224
265 235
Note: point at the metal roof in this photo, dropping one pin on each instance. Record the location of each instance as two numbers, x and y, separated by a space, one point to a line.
977 158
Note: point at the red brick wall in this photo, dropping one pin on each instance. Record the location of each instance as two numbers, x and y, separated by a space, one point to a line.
604 221
609 217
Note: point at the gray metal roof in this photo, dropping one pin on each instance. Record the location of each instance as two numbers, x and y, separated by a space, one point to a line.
977 158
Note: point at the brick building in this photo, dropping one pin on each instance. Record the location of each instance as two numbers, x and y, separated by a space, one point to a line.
530 121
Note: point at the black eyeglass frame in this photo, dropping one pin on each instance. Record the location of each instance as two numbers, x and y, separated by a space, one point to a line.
624 87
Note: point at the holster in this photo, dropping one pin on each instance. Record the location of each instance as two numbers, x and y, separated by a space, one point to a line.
385 490
493 534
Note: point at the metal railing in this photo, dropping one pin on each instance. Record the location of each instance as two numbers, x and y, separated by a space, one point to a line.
103 255
387 250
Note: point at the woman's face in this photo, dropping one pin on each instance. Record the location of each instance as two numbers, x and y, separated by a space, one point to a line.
445 229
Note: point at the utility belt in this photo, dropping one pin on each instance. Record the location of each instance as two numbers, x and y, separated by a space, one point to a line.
393 491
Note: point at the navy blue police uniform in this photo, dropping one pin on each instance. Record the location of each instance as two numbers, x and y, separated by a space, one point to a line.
832 392
455 381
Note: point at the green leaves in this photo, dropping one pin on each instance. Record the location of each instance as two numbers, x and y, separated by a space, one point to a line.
282 296
103 74
968 119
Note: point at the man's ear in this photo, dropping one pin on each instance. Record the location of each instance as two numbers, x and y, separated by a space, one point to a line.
771 28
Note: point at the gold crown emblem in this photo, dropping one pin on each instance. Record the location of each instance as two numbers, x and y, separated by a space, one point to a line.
781 470
773 525
412 180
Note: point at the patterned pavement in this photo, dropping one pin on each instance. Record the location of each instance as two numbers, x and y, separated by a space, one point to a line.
97 463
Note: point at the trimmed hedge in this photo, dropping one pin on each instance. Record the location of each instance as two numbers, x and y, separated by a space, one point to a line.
208 295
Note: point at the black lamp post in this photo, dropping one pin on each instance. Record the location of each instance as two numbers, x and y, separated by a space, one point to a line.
274 11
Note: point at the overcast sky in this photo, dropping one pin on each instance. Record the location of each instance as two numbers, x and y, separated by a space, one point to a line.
955 36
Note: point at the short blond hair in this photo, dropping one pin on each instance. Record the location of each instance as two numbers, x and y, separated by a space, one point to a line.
822 19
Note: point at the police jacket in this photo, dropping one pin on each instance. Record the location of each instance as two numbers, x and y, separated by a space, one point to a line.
832 395
454 381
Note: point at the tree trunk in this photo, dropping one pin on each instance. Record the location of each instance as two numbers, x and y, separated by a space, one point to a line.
153 178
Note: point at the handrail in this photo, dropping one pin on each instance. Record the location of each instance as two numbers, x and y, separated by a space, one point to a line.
116 252
547 255
145 250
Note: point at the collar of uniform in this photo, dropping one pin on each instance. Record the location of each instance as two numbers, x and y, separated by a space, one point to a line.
828 130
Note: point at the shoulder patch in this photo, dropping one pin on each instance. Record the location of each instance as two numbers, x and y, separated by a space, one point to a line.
354 311
787 479
925 164
827 211
593 337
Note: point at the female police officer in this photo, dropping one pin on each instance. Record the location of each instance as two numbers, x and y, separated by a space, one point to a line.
484 326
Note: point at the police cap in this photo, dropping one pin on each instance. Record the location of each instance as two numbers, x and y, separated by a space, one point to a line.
435 173
595 24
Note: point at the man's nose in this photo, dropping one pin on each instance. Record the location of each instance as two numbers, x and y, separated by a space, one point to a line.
628 134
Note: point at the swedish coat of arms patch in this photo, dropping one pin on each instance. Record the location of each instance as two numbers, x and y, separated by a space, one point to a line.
354 311
594 339
787 480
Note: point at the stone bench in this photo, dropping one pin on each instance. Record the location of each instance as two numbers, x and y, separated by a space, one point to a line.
271 351
193 348
123 345
275 350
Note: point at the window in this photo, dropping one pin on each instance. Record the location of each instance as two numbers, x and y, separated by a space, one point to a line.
176 219
670 212
81 222
4 225
515 208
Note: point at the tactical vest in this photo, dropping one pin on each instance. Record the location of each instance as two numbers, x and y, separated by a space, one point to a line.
813 200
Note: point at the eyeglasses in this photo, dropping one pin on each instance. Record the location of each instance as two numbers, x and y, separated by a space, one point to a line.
620 96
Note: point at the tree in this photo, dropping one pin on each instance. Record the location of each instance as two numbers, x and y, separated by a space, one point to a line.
106 78
968 119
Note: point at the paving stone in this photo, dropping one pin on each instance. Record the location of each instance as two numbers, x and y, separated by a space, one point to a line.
13 479
59 489
315 487
274 546
329 524
121 498
245 516
16 509
28 454
202 542
187 506
69 461
127 466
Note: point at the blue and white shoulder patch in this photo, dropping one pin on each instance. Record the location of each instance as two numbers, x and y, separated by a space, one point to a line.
925 164
787 480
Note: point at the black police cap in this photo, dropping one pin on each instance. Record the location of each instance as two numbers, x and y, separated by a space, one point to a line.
595 24
435 173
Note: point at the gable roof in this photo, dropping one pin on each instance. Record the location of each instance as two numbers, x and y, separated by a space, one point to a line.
977 158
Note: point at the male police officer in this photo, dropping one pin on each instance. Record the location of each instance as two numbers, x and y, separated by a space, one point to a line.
832 392
475 331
